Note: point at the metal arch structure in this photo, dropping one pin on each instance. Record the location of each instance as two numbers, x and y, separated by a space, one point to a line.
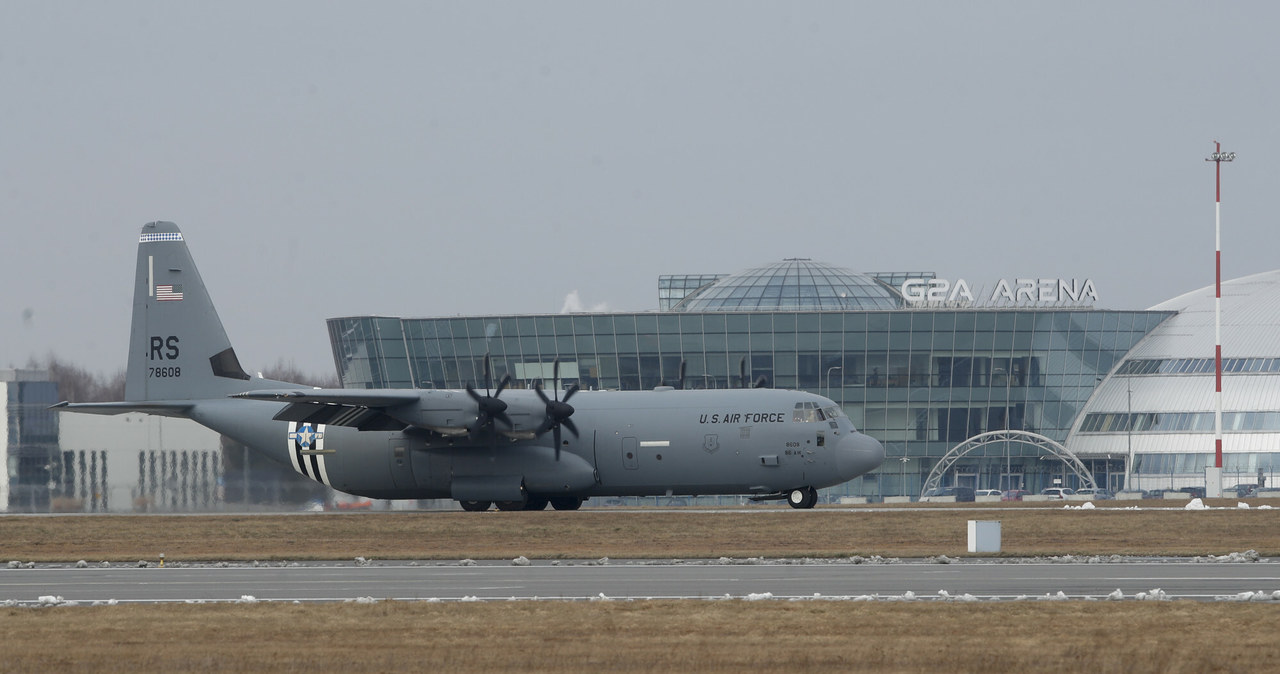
1047 445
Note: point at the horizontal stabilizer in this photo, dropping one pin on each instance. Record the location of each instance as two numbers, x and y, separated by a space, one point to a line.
164 409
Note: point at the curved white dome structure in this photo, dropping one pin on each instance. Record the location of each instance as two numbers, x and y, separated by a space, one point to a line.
794 284
1158 403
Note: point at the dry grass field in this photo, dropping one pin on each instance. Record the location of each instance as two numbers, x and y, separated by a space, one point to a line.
657 533
732 635
696 636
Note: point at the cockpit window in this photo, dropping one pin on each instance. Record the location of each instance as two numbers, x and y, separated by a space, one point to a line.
809 412
833 412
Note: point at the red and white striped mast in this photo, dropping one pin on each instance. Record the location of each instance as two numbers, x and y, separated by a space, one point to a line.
1217 158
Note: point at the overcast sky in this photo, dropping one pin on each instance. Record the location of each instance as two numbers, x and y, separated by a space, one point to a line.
431 159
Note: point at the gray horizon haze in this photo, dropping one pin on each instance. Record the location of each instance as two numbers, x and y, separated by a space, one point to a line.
333 159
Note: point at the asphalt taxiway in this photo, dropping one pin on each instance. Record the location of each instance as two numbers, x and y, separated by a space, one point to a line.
706 579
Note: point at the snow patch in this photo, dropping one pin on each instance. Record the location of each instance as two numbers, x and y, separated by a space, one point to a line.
1231 558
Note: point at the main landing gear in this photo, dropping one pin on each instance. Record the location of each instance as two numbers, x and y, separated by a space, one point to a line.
530 503
802 498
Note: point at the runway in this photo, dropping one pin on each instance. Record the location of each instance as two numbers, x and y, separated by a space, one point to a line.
799 579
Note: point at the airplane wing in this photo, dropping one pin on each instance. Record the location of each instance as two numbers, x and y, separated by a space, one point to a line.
360 409
334 396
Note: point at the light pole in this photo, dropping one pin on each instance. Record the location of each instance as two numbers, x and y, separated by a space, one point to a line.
1128 464
841 368
1008 451
904 475
1008 464
1217 158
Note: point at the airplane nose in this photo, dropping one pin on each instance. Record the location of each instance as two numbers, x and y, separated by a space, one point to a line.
858 454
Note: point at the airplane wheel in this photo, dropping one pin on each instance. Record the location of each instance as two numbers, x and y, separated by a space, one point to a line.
535 503
475 506
511 505
567 502
802 498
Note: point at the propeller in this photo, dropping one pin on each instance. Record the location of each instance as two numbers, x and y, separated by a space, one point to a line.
490 408
558 411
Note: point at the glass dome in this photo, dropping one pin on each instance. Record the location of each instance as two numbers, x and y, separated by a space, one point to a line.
795 284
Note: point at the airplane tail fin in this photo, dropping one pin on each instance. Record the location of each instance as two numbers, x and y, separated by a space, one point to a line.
178 349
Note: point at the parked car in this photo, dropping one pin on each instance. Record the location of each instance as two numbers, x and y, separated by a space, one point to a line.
1265 492
987 492
1097 493
1240 490
962 494
1196 492
1013 494
1059 492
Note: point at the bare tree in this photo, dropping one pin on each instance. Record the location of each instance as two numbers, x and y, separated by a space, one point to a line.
78 385
288 371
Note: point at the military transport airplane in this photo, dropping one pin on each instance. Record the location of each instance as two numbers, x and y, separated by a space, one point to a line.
504 446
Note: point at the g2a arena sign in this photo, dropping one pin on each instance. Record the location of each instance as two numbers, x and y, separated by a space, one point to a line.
1022 292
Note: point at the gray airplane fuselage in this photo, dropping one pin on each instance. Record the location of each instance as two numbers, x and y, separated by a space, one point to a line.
478 448
630 443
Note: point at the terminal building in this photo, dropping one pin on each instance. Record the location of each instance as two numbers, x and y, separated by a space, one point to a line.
1025 386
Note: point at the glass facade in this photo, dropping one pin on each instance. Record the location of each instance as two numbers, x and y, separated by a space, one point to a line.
30 442
1179 422
1199 366
795 284
673 288
920 381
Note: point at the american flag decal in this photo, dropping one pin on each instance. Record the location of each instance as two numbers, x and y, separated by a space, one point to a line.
169 293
